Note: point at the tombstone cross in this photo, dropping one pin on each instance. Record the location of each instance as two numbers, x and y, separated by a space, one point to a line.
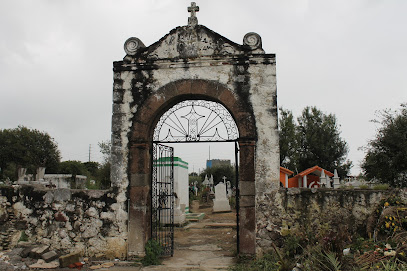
224 179
193 9
193 20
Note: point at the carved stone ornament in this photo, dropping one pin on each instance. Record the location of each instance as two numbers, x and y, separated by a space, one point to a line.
253 40
132 45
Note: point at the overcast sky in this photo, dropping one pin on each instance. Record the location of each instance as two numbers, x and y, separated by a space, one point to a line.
347 57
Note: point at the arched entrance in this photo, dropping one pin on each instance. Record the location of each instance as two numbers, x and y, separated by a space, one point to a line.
194 63
141 148
188 122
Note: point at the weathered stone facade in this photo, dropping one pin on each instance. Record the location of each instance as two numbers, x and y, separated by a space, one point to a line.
193 62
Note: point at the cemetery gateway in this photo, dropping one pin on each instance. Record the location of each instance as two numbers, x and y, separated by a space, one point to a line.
190 67
193 63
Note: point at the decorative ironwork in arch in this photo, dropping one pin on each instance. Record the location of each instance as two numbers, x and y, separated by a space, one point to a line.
196 120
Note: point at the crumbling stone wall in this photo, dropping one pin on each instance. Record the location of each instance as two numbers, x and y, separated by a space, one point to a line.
94 223
285 210
89 221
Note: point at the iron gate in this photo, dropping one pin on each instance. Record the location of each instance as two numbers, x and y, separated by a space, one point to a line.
162 197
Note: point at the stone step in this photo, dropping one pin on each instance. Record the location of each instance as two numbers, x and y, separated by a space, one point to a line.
221 225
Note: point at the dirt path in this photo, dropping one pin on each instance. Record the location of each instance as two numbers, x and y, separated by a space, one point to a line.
205 245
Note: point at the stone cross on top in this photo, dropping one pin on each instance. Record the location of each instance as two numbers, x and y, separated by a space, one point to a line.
193 20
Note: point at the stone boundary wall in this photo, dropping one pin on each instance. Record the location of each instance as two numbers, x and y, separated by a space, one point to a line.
89 221
285 211
94 223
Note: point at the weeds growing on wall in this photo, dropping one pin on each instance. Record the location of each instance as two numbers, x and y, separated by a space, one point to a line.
323 246
23 237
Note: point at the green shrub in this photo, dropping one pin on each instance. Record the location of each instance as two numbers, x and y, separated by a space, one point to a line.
382 186
364 186
153 252
267 262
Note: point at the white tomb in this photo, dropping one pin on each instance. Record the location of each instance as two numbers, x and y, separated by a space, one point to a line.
181 179
221 202
337 182
181 187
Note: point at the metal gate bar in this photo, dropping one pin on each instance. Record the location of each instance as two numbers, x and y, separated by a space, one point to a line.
237 195
162 198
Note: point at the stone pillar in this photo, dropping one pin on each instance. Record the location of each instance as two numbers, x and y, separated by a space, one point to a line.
305 182
247 191
140 201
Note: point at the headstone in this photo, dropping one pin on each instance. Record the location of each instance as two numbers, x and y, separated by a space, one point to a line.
21 174
206 181
228 189
322 179
40 174
221 202
328 182
211 183
196 188
337 182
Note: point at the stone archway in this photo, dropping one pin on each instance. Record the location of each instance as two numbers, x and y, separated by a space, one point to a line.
193 62
140 144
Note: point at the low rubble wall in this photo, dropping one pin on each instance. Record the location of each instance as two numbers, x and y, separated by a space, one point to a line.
95 224
90 221
318 213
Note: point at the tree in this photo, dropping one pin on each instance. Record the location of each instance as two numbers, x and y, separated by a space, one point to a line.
194 178
92 168
386 154
29 148
104 170
73 167
288 140
315 140
320 142
105 149
218 172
